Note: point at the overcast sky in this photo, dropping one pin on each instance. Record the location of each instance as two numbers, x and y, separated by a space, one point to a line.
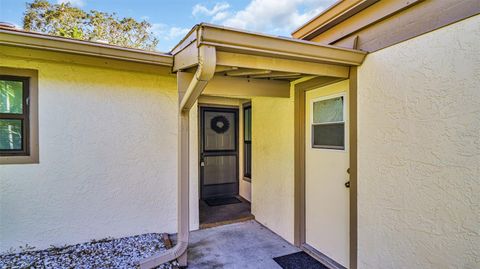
172 19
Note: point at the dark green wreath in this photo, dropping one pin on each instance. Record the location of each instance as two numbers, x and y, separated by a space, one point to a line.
222 127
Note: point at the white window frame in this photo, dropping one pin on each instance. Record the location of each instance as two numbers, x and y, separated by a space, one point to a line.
345 122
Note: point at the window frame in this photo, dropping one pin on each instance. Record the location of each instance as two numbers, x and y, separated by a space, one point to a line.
24 117
29 117
247 176
345 123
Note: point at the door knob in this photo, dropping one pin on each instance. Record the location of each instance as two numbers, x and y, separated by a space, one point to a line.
347 184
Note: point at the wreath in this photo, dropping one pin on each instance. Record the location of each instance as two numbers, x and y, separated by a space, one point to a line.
220 124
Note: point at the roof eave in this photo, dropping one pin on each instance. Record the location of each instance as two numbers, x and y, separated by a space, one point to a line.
240 41
59 44
338 12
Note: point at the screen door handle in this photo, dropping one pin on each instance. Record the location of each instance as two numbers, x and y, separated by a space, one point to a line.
347 184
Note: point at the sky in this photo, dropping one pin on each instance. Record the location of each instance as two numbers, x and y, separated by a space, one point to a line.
172 19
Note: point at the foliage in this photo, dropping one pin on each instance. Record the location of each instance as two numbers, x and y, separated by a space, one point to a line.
65 20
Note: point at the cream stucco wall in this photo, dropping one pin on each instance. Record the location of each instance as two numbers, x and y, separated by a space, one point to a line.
419 152
273 164
108 158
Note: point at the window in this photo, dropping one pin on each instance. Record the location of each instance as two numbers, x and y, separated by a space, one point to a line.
247 141
328 123
17 131
13 115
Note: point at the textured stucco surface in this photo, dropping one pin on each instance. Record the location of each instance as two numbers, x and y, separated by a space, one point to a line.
108 158
273 164
419 152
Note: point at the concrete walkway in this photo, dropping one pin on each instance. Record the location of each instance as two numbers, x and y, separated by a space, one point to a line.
240 245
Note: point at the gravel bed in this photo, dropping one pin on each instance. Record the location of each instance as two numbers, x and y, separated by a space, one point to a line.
106 253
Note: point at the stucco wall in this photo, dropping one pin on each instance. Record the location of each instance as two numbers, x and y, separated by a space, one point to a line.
273 164
108 158
419 152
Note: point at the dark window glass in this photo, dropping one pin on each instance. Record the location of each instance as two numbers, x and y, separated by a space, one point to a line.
10 134
13 115
247 145
330 136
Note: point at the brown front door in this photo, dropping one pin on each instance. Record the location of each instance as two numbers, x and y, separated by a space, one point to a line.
218 152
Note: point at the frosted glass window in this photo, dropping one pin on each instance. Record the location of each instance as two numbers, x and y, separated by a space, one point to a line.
327 111
328 126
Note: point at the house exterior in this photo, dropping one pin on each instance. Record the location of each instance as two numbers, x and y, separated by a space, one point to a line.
365 137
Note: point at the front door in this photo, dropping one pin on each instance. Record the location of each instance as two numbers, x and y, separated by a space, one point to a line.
218 152
326 173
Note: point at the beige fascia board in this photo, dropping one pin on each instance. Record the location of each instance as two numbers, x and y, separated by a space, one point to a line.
361 20
339 11
83 60
234 40
281 65
60 44
186 58
189 38
418 19
244 49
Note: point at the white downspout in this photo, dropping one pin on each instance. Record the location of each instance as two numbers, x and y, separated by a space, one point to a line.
205 71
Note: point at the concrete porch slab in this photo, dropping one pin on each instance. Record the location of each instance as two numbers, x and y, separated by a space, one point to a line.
239 245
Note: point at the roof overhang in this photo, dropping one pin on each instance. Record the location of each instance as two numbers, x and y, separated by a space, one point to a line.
330 17
20 38
210 53
237 49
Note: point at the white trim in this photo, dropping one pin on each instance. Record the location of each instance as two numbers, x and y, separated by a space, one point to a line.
345 121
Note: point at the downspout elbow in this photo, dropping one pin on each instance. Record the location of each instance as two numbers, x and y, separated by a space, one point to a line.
166 256
207 62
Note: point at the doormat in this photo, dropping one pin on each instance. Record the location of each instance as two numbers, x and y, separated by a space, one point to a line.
222 201
299 260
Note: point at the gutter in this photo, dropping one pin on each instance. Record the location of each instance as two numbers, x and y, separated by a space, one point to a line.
205 72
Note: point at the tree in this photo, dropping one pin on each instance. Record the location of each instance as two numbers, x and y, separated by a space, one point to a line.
65 20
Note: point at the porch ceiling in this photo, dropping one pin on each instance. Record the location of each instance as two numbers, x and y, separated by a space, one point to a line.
243 54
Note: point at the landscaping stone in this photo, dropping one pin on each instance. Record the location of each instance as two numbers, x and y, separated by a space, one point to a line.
106 253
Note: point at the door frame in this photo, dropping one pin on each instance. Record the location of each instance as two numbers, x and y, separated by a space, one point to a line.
202 109
299 167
